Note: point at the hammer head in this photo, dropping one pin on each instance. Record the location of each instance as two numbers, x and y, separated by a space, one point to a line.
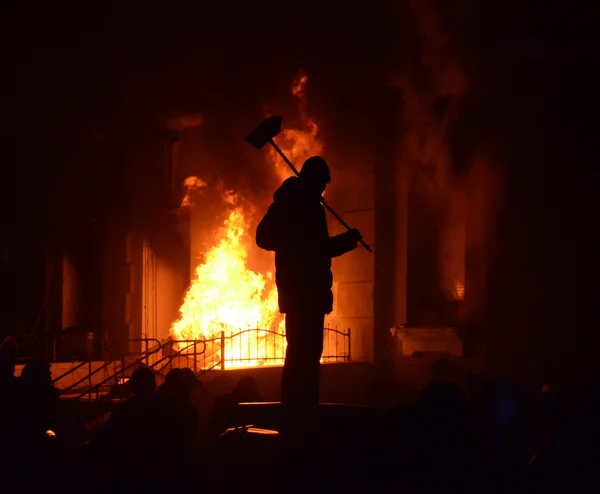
265 132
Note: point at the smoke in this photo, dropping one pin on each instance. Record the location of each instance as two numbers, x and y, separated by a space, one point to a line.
301 141
435 88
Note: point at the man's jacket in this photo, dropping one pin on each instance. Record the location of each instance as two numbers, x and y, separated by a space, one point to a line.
295 227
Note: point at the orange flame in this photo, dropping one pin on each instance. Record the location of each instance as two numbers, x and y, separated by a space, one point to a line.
299 85
233 308
226 297
192 185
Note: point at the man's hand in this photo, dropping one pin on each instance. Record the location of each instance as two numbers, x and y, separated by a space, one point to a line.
355 235
344 242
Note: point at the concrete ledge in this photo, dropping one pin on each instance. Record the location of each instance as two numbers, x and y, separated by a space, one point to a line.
341 382
428 340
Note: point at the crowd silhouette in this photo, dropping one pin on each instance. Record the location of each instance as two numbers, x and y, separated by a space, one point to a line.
166 437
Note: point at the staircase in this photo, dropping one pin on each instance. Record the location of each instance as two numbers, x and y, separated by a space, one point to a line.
95 380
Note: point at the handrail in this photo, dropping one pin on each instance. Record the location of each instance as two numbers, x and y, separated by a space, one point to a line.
137 361
88 376
70 371
220 340
249 330
96 386
331 330
244 331
106 363
178 353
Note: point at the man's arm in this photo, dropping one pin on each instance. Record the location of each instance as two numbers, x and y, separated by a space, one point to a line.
338 244
344 242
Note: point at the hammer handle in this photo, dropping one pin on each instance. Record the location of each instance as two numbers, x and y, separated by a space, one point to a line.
327 206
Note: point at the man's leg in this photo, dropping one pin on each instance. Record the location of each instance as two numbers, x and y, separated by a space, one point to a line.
301 373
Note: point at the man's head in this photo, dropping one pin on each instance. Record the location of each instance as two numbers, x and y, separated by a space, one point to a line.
190 379
37 373
315 174
143 382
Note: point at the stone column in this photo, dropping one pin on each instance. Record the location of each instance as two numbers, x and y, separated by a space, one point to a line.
390 224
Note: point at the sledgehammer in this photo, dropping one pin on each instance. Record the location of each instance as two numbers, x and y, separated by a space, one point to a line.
264 134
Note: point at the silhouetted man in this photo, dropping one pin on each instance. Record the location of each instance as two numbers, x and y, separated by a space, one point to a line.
295 227
135 432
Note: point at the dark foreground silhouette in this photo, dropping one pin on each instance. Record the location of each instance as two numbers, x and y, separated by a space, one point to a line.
485 434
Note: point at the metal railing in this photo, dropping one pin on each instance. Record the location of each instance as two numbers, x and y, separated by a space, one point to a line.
149 347
245 348
254 348
120 373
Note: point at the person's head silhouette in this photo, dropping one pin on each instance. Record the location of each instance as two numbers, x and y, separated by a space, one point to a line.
190 380
37 374
176 385
315 174
143 382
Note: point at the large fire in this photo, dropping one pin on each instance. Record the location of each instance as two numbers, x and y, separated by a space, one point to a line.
228 305
227 298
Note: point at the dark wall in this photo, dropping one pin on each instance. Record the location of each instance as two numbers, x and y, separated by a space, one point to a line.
510 111
389 227
425 303
529 313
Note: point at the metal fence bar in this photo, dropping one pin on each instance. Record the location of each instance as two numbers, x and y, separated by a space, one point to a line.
336 346
349 344
222 350
195 358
